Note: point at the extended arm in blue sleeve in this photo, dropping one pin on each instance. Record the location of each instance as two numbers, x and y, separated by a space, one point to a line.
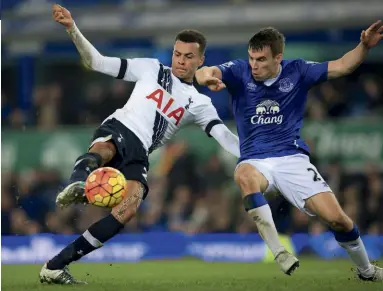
232 72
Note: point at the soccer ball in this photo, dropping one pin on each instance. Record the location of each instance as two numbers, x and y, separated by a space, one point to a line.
105 187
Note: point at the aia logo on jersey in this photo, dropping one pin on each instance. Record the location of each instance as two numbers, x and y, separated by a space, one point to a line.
164 106
266 113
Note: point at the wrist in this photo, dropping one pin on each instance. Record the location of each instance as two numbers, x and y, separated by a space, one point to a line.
364 46
70 27
198 78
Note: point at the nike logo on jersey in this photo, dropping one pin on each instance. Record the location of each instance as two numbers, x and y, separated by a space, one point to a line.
165 107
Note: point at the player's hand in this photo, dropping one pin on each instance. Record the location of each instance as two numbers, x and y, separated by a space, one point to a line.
214 84
62 16
372 35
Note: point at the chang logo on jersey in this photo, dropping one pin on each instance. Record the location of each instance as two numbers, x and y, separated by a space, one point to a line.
266 113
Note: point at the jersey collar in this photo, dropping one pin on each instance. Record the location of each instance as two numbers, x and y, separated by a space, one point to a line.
183 81
270 82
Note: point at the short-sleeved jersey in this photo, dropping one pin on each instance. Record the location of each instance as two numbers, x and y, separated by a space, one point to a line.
269 114
161 103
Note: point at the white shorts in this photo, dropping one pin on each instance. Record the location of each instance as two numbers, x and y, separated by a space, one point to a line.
292 176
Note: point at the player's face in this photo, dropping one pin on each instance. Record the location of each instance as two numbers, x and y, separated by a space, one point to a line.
263 64
186 60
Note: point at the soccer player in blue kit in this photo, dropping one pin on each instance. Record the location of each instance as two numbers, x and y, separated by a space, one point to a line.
268 101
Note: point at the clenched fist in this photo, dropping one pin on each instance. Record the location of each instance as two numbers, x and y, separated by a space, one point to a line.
62 15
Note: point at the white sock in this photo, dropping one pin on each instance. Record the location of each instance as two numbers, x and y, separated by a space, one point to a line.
265 223
358 256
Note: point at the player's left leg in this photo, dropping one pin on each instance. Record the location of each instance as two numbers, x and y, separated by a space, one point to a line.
113 145
56 270
326 207
99 154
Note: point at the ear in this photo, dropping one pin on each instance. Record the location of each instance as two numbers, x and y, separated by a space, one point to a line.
201 61
279 58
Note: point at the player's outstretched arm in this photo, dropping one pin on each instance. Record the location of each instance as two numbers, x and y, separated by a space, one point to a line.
350 61
206 116
89 54
228 140
210 77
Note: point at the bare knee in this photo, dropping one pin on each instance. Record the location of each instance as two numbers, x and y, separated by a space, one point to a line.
107 150
128 207
327 207
249 179
340 222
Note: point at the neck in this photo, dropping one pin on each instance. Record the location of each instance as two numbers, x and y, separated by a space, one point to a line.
276 72
186 80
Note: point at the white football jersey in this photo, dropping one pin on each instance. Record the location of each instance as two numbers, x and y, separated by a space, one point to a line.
161 103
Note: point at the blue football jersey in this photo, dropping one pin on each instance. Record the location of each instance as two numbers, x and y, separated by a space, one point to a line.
269 114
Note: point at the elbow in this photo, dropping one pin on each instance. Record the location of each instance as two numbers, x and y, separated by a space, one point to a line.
95 63
87 65
345 68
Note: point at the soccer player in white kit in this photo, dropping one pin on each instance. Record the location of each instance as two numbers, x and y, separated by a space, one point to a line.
163 100
269 96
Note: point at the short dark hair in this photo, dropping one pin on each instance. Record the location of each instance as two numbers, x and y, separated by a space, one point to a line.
190 36
268 37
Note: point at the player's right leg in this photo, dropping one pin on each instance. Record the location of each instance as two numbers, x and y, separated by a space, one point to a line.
302 185
130 157
55 271
253 184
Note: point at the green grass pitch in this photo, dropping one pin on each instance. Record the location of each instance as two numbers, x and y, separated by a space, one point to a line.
194 275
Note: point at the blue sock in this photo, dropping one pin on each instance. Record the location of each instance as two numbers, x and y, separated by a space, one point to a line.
354 246
346 236
254 200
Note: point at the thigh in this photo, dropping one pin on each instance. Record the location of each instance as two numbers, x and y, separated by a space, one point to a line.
109 133
137 172
131 158
257 169
298 180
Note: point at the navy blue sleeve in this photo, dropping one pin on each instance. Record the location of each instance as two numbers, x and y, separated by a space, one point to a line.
313 72
232 72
